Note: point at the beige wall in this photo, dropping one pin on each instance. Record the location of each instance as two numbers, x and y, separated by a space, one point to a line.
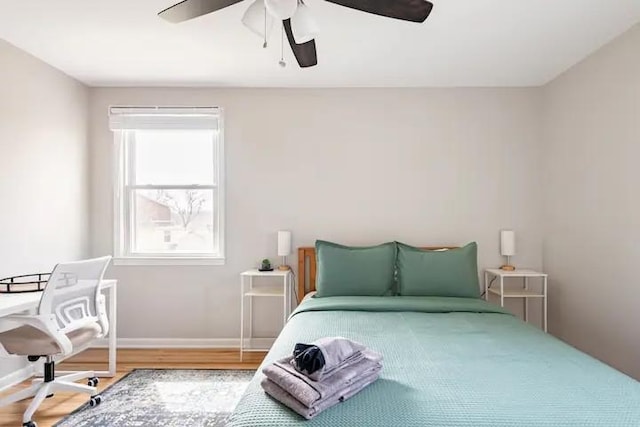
43 167
592 199
360 166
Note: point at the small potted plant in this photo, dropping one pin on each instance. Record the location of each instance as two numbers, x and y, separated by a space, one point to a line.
266 265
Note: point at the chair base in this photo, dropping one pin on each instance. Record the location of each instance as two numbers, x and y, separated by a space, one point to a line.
40 389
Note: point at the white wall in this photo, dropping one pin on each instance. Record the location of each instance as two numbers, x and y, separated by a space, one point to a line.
359 166
43 167
592 199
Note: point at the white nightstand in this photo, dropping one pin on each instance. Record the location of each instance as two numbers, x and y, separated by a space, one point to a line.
525 292
248 289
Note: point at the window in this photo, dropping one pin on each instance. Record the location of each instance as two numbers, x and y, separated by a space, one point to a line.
169 194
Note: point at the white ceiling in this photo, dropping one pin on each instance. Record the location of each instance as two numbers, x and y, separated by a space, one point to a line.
463 43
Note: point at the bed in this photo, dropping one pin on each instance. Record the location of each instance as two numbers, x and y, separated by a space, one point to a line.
448 362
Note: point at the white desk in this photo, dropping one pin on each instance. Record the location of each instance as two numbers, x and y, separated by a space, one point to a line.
17 303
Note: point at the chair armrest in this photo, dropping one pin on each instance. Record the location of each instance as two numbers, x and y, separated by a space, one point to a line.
103 320
45 324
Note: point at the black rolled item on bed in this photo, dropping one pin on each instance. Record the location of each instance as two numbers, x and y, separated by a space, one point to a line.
308 358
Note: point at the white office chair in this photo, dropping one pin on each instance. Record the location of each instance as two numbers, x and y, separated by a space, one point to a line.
71 314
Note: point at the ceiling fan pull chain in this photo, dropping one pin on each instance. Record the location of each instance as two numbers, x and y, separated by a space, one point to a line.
264 46
282 63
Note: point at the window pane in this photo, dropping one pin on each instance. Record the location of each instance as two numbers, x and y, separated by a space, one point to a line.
173 221
174 157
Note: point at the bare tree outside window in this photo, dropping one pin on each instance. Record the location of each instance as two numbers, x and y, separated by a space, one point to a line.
186 207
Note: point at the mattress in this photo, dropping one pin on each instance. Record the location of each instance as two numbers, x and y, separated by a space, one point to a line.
450 362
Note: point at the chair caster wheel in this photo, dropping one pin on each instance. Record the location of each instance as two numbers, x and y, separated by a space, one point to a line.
29 424
95 400
92 382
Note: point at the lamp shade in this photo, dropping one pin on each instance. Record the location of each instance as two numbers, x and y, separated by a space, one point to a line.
303 26
507 243
281 9
254 19
284 243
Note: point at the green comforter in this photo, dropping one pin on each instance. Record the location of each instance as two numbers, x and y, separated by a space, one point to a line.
451 362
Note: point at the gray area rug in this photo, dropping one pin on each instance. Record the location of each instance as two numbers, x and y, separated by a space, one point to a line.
165 398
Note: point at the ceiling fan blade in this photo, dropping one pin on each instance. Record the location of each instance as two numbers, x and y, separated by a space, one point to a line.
189 9
407 10
305 53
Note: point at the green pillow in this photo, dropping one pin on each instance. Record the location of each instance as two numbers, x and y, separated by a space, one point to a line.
354 271
450 273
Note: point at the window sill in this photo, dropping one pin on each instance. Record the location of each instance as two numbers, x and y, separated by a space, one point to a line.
142 261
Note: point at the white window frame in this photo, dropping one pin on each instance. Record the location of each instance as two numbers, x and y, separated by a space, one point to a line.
124 191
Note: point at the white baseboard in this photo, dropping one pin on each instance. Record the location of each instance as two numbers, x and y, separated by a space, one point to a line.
186 343
16 377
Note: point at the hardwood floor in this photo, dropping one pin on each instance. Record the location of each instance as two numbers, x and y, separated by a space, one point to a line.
60 405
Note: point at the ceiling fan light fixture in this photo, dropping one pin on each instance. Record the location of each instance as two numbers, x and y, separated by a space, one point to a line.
281 9
303 26
257 19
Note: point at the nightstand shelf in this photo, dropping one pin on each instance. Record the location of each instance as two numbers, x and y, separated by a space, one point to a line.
524 292
265 291
516 293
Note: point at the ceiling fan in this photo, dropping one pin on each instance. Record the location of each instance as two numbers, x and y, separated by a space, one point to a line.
296 20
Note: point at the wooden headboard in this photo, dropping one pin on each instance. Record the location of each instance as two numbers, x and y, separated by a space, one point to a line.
307 266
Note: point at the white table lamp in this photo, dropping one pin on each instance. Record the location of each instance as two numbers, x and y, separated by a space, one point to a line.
284 248
508 248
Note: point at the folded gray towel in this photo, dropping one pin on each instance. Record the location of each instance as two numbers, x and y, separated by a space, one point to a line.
307 391
279 394
337 352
